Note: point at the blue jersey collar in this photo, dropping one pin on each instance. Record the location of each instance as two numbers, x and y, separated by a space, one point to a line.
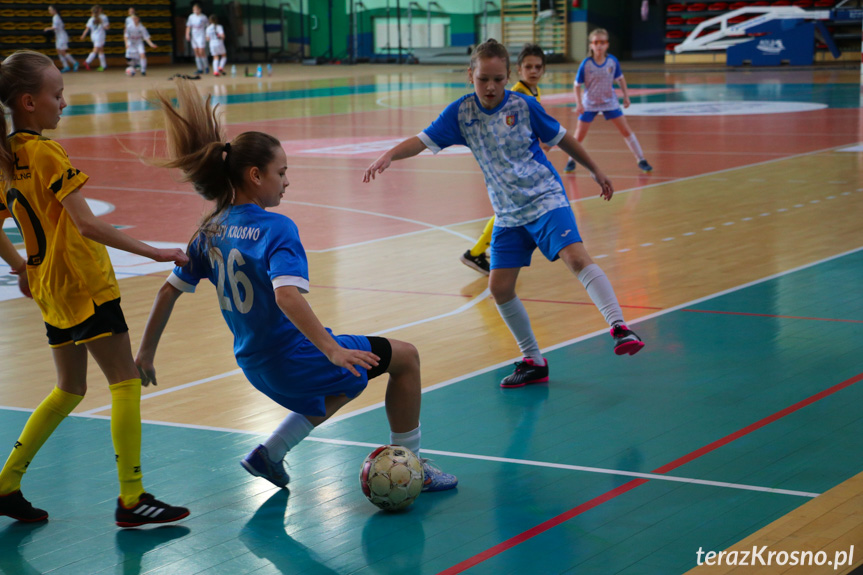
496 108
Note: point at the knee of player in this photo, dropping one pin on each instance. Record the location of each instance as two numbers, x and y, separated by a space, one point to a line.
405 355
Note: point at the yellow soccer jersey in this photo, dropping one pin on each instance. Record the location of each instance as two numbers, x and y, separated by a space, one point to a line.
68 273
522 88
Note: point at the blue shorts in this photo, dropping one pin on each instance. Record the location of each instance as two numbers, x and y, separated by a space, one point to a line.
301 381
609 115
553 231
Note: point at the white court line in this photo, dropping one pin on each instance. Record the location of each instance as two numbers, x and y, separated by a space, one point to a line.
386 216
168 390
544 464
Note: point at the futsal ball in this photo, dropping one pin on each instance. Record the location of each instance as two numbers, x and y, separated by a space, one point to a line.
130 71
391 477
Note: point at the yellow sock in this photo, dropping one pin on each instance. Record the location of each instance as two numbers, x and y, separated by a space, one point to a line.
37 430
484 240
126 435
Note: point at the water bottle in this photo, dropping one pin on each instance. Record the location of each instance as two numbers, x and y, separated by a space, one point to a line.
233 69
269 69
260 72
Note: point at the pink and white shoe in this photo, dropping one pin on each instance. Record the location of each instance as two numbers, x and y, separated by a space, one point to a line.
625 340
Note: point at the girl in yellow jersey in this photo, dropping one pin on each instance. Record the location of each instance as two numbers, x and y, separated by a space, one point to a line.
68 273
531 67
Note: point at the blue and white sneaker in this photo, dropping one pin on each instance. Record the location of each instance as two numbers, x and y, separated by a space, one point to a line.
259 464
436 480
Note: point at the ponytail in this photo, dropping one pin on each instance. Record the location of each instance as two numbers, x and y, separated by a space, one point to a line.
196 144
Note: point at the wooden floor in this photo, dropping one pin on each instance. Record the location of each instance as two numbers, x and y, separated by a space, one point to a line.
736 199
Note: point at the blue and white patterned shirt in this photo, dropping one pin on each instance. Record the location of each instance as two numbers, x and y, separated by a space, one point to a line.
598 84
522 184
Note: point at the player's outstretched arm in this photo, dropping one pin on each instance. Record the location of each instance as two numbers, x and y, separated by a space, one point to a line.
297 309
407 149
100 231
577 152
163 306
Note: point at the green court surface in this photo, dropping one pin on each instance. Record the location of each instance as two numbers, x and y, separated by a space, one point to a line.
678 412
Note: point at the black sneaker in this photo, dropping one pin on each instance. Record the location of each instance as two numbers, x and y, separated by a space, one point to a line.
644 166
569 167
15 506
526 372
478 263
148 510
625 340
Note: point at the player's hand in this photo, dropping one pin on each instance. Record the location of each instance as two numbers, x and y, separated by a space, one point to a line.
377 167
605 184
147 371
175 255
579 110
626 101
23 282
350 358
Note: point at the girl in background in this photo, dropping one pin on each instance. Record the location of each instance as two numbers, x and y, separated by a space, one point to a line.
597 75
61 41
216 37
97 26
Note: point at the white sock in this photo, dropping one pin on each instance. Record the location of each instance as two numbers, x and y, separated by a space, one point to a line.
409 439
634 146
102 60
600 291
143 64
515 317
222 61
215 64
91 57
292 430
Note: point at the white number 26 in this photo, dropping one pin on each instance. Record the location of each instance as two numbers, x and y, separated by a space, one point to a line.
235 277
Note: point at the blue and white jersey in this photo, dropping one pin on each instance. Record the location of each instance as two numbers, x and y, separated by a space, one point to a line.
598 84
255 252
522 184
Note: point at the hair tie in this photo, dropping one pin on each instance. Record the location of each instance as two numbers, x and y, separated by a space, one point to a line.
227 148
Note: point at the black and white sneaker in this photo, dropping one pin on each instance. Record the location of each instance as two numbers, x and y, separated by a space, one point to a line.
625 340
478 263
526 372
15 506
148 510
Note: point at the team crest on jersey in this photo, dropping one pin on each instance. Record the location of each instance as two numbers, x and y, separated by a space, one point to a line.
511 120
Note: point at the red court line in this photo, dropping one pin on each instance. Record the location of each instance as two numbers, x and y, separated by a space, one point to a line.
405 292
629 486
590 303
773 315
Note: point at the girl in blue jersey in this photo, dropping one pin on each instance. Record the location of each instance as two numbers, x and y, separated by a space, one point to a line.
504 129
258 265
597 75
